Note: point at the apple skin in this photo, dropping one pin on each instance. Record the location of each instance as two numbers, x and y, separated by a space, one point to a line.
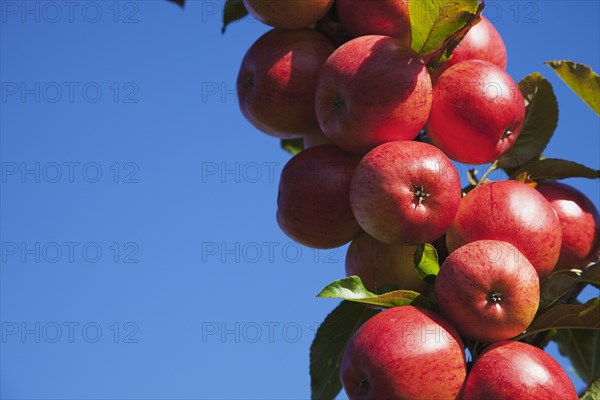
313 202
513 370
379 264
513 212
387 193
488 290
288 14
388 18
477 112
482 42
277 81
404 353
372 90
579 221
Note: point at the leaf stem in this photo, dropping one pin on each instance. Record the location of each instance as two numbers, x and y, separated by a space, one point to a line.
491 169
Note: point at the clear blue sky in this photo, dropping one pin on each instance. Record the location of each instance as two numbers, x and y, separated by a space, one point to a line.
138 206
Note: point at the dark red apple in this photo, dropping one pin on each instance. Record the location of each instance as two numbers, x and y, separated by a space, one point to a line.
313 202
277 81
405 192
404 353
477 112
379 264
579 221
288 14
488 290
372 90
513 212
381 17
316 139
512 370
482 42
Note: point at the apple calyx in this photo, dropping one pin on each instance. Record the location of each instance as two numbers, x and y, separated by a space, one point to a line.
506 134
496 296
420 193
364 386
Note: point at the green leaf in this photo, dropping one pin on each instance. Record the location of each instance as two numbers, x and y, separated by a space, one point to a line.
541 119
581 79
567 316
582 347
591 275
352 289
592 392
293 146
180 3
434 21
234 10
556 287
553 168
426 262
328 347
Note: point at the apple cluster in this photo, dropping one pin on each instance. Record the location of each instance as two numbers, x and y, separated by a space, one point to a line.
380 130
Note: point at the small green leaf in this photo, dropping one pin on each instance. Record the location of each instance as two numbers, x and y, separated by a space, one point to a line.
328 347
293 146
552 168
426 262
541 119
582 347
556 287
592 392
352 289
234 10
180 3
567 316
581 79
434 21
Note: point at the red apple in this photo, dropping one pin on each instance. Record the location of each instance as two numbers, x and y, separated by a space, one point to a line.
372 90
379 264
313 202
482 42
404 353
288 14
488 290
579 221
513 370
477 112
512 212
405 192
383 17
277 81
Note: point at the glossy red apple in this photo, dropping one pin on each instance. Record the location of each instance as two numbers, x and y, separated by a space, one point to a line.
313 202
513 212
404 353
579 221
477 112
513 370
288 14
482 42
488 290
405 192
277 81
372 90
379 264
381 17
